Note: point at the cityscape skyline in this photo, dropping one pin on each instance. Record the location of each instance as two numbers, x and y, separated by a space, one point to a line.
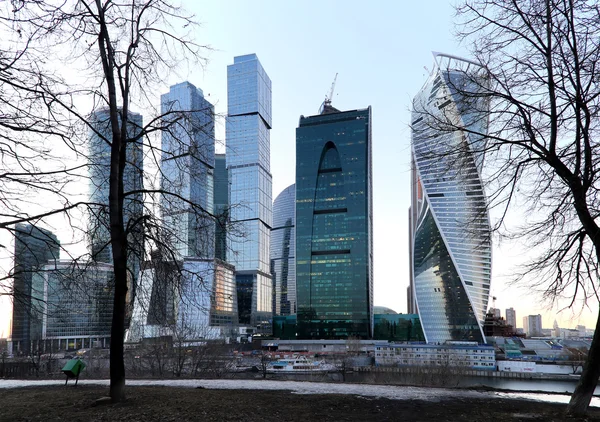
356 87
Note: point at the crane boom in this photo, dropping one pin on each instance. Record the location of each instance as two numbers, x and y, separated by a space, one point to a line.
330 97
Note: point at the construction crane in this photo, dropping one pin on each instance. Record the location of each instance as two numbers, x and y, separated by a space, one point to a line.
328 98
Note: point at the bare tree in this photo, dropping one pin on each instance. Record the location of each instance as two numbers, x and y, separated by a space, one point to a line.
122 52
529 105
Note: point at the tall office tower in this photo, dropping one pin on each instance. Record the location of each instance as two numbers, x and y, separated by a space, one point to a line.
99 172
511 318
283 247
250 185
78 306
34 247
187 166
334 225
221 206
451 249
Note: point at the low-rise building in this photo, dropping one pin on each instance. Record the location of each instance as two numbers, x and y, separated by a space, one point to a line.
456 354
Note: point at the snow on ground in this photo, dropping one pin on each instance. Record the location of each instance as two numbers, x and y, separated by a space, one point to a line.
365 390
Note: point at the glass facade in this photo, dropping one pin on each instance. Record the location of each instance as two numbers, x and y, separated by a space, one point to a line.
221 206
187 169
250 185
133 205
190 299
398 327
450 230
334 225
34 247
283 247
78 300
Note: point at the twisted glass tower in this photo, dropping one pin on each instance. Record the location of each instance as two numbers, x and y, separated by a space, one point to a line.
449 222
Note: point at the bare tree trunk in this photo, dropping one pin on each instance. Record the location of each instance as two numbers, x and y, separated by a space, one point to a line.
580 400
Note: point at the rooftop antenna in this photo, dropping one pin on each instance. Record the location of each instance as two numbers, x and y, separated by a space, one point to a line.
328 98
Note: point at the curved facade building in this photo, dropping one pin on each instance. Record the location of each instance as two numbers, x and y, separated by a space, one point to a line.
283 248
449 223
334 225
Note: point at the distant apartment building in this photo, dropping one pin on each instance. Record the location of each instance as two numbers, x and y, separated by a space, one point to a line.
34 247
532 325
511 317
466 355
496 312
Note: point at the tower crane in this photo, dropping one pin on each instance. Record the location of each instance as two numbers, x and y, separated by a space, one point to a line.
328 98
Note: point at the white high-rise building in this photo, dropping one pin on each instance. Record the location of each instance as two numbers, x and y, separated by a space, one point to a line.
250 186
450 231
532 325
511 318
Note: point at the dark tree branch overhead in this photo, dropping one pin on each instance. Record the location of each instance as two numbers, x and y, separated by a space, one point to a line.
541 149
121 53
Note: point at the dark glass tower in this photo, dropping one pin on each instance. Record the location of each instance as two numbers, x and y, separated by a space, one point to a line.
221 206
33 248
283 262
334 225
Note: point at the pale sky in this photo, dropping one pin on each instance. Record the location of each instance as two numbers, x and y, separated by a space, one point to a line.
381 51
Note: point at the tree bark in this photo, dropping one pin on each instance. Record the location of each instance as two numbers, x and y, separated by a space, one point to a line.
580 400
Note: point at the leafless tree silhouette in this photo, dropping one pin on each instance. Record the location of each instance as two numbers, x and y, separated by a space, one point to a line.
61 62
537 93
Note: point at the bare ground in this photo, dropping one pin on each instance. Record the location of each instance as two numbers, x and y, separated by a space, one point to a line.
187 404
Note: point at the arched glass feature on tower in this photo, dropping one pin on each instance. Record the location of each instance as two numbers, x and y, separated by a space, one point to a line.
334 258
451 247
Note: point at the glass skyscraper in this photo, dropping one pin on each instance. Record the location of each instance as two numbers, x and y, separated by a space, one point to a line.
283 248
450 230
250 186
34 247
133 205
78 303
187 169
221 206
334 225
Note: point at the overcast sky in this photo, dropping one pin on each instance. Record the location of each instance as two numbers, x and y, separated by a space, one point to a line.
381 51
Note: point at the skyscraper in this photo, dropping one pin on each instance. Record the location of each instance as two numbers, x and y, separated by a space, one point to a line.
283 248
34 247
221 206
99 172
187 168
250 186
451 246
334 225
